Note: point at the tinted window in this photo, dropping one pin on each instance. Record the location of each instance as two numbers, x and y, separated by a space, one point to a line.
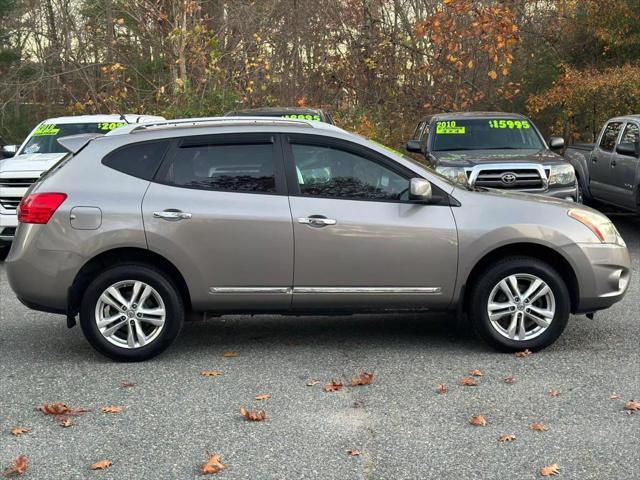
609 136
485 134
631 134
235 168
139 160
330 172
44 138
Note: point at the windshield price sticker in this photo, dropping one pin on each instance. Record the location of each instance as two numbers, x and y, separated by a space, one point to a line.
108 126
302 117
449 128
509 124
45 129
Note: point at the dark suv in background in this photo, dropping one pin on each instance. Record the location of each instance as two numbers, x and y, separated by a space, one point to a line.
494 150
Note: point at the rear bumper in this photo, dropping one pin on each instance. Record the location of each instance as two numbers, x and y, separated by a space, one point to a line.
603 272
40 278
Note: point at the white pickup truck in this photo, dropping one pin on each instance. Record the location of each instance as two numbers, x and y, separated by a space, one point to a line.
38 153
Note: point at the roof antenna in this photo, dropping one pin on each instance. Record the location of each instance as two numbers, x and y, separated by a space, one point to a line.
124 119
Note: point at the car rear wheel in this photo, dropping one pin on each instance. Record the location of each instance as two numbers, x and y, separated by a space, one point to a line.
131 312
519 303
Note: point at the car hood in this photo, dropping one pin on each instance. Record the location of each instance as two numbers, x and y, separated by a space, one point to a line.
470 158
33 162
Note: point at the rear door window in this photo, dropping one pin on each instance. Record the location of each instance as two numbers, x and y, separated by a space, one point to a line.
207 164
610 135
631 134
139 159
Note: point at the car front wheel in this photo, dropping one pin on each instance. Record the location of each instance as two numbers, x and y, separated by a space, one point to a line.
519 303
131 312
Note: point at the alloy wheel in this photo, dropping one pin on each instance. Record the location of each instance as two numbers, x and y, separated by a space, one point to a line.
521 306
130 314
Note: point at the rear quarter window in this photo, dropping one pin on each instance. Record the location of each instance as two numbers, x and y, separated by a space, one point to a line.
140 160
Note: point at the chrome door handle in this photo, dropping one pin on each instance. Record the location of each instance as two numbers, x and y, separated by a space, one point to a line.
317 221
172 215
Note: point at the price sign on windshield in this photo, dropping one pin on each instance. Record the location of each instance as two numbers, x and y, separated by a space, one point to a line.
509 124
45 129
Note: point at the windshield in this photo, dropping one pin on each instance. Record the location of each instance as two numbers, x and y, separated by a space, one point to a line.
485 134
44 138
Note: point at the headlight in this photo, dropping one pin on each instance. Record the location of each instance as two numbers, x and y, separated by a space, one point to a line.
562 175
455 174
600 225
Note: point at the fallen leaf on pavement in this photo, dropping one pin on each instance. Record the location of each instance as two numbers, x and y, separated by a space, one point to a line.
507 438
632 406
230 354
65 422
59 408
253 415
614 396
101 464
18 466
510 380
211 373
365 378
442 389
127 384
468 382
213 465
311 382
111 409
550 470
353 453
554 393
523 354
17 431
476 373
334 386
538 427
264 396
478 420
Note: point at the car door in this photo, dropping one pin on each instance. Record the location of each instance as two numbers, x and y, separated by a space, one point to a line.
218 210
600 163
623 169
359 242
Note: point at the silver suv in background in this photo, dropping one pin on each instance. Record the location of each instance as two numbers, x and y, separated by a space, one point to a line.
254 215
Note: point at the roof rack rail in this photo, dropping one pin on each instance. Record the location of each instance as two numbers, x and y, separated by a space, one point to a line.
218 122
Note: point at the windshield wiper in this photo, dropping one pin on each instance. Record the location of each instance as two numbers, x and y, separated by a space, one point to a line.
454 149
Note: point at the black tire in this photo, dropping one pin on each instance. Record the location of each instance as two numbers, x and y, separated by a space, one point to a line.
4 251
174 308
491 276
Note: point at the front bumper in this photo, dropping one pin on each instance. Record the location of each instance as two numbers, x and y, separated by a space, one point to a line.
603 272
564 193
8 225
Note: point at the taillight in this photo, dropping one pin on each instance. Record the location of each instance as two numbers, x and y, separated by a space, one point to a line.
39 207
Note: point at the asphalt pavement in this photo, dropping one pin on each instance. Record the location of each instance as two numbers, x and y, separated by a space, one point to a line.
401 426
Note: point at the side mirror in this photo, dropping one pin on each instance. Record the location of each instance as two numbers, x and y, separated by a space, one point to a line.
8 151
420 190
413 146
628 149
556 143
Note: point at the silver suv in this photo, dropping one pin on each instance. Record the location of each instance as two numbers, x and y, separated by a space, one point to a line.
252 215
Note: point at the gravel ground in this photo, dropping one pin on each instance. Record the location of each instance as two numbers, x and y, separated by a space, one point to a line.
404 430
